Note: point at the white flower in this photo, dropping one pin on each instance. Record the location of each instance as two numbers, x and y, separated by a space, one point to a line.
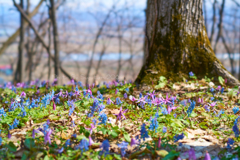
18 98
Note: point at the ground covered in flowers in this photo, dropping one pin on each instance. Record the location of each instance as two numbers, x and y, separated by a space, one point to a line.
193 119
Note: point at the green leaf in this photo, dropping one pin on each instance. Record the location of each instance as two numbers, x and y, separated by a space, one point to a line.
118 157
29 143
163 79
221 80
11 147
162 153
114 134
127 137
171 155
104 130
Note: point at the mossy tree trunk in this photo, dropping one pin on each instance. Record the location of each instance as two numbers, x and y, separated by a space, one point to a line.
176 43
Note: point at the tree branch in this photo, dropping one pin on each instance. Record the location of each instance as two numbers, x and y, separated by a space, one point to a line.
39 37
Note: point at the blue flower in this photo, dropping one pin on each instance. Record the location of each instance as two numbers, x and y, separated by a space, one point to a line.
68 143
235 128
118 101
220 112
235 110
105 147
102 118
140 95
212 98
101 107
178 137
191 74
164 129
123 147
154 124
83 145
2 112
164 111
127 89
222 90
191 107
230 142
144 133
0 141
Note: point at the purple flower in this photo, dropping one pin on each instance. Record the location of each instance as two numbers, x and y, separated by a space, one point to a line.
91 128
133 99
125 95
34 131
9 135
47 138
54 106
133 142
121 114
90 140
207 156
191 154
169 109
159 142
23 94
109 101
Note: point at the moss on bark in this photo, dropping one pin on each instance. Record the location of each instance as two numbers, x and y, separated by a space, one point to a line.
178 52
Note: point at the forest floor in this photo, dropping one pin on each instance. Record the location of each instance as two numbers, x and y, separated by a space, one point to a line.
183 120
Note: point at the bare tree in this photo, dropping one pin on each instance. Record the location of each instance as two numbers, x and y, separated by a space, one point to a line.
55 37
19 74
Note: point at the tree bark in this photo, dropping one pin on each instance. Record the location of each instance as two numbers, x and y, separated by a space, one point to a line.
19 77
179 43
55 38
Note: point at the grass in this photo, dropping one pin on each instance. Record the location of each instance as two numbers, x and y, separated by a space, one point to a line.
168 111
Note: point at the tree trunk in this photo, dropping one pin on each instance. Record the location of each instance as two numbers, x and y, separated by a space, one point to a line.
178 43
55 38
19 77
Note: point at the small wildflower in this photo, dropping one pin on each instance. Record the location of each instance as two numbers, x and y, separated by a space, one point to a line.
47 138
123 147
61 150
159 142
121 114
191 74
90 140
230 142
190 108
207 156
125 95
235 110
109 101
178 137
133 142
83 145
118 101
164 130
102 118
105 147
144 133
154 124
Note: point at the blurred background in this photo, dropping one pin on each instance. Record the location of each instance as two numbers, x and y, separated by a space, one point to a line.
97 40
